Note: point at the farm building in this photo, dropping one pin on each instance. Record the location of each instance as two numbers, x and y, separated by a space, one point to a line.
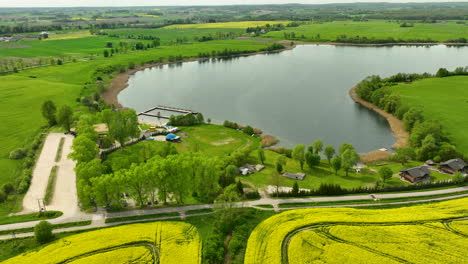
454 165
416 174
294 176
249 169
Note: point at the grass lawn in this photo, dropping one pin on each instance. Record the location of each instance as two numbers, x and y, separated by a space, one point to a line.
378 29
22 96
214 140
323 174
442 99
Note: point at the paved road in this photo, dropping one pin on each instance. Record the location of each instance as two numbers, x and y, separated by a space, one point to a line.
99 221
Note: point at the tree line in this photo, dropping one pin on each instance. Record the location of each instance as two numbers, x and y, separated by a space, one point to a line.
428 139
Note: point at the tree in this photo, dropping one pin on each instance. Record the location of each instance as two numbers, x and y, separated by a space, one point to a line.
43 232
276 180
240 188
106 53
458 177
248 130
442 72
298 154
385 174
261 155
312 159
279 167
295 190
65 117
318 146
123 125
84 149
428 149
48 112
329 152
411 117
229 176
349 158
336 164
403 155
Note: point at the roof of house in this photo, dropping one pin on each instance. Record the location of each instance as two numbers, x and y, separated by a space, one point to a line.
455 164
417 172
298 176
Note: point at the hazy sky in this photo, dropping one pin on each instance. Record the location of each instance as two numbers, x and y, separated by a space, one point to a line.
56 3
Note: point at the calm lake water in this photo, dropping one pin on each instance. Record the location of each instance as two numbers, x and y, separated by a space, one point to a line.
298 95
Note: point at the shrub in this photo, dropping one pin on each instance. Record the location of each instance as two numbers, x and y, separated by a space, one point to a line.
8 188
43 232
248 130
18 154
3 196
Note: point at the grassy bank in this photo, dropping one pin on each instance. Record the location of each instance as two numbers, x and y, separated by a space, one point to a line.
374 29
24 92
441 99
29 217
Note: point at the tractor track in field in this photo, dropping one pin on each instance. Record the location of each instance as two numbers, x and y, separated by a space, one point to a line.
150 246
323 230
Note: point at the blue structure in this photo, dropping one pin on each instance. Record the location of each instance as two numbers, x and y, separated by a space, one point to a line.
173 138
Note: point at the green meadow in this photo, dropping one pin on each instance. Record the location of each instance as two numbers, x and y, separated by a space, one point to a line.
74 47
23 93
442 99
167 35
377 29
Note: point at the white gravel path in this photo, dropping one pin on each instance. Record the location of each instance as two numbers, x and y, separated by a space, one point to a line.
41 173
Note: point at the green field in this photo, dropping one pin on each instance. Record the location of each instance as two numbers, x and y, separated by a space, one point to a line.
442 99
74 47
377 29
23 95
170 35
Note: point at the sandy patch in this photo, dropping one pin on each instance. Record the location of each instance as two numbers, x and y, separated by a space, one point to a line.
223 142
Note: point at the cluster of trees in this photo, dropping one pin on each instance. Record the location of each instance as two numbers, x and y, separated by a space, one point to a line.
246 129
365 40
125 46
273 47
217 36
223 53
345 159
62 116
267 28
186 120
17 64
164 179
427 138
26 28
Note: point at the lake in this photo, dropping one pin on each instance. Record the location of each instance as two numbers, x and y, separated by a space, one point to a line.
298 95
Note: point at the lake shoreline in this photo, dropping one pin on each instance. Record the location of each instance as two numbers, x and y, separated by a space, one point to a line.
377 44
396 125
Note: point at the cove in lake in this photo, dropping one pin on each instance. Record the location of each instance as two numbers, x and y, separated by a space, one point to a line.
298 95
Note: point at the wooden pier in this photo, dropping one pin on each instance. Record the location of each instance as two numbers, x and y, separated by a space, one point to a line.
153 115
165 108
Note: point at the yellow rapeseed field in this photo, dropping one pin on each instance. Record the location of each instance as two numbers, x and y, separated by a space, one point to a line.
363 235
171 242
242 24
134 255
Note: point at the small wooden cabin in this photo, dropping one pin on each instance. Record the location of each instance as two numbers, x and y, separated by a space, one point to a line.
454 165
416 174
